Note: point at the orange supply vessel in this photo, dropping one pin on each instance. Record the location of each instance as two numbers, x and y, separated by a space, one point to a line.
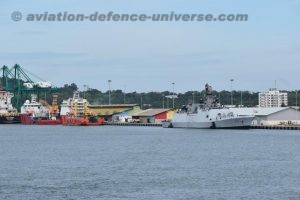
75 112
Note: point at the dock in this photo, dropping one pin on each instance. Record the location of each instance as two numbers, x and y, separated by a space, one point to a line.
278 127
275 127
132 124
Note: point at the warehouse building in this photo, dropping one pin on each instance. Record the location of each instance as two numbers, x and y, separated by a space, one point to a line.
153 115
271 116
115 111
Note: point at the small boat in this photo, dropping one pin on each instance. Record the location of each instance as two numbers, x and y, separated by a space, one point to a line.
75 112
8 114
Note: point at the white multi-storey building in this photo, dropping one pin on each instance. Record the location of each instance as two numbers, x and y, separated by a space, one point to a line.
273 98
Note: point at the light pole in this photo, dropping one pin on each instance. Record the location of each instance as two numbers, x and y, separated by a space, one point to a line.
124 94
173 84
141 101
296 98
109 91
241 98
167 102
163 101
231 81
193 97
85 89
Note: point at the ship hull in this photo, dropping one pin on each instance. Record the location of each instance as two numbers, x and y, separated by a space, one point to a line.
191 124
10 120
74 121
25 119
233 123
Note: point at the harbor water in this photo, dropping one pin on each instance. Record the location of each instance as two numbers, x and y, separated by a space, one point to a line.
113 162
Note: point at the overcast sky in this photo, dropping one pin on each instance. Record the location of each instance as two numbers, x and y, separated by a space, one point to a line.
149 56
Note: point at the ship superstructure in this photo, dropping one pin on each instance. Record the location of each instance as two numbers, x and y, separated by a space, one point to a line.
8 114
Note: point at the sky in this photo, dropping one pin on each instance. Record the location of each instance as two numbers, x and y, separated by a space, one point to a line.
150 56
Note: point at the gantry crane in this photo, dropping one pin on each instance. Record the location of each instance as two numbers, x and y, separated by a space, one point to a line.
17 81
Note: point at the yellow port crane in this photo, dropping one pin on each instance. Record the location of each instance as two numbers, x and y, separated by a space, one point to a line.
54 108
54 103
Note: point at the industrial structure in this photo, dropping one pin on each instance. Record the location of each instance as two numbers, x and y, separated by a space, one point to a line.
271 115
153 115
19 82
115 112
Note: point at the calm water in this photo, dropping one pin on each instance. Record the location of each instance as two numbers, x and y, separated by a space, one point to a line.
56 162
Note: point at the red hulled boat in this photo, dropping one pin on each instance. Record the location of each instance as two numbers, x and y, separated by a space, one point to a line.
40 113
75 112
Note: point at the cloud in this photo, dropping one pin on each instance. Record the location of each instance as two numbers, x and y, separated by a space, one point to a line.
37 55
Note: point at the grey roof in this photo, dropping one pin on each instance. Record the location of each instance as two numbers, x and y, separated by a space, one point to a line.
257 111
113 105
150 112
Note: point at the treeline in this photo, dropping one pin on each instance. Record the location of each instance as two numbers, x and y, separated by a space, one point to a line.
160 100
152 99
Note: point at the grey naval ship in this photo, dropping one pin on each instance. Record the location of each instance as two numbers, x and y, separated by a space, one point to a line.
208 114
